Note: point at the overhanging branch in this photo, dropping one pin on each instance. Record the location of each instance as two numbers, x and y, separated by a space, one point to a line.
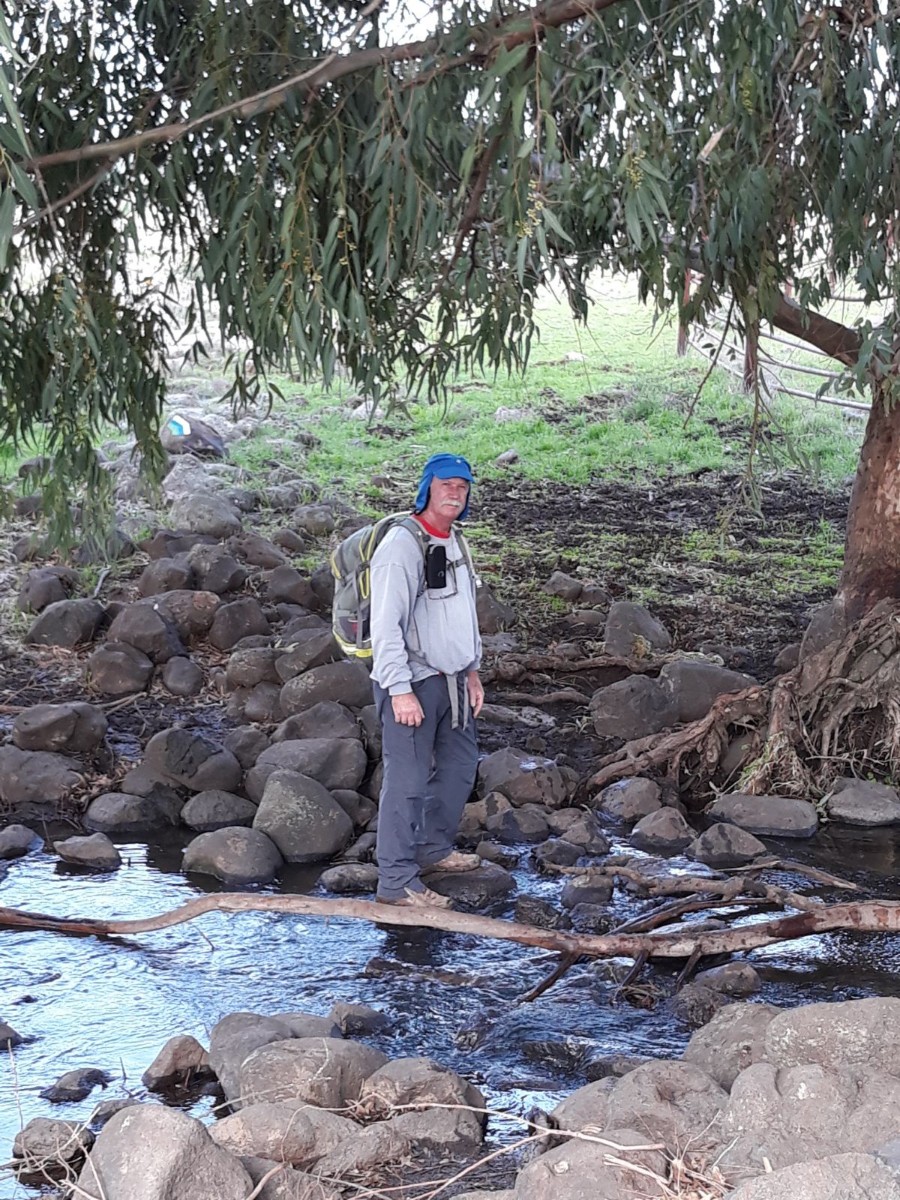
485 41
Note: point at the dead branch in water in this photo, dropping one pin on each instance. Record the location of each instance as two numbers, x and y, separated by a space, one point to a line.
872 916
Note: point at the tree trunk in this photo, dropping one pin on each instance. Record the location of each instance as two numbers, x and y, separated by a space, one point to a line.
872 557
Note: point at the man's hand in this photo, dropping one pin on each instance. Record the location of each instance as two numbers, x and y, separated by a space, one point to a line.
407 709
476 692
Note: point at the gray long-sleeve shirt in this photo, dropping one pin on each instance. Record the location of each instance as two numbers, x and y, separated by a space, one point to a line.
419 631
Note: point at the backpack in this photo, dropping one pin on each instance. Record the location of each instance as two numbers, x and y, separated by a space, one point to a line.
351 565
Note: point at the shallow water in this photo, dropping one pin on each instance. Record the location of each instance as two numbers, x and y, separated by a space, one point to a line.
85 1002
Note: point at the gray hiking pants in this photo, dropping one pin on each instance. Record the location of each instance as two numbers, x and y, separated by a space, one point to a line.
429 772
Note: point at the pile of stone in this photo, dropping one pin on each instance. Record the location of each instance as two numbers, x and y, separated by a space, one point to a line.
765 1104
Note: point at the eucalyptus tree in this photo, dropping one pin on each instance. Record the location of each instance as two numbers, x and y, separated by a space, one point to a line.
385 186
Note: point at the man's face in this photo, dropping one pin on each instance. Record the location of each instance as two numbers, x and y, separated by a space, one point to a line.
448 496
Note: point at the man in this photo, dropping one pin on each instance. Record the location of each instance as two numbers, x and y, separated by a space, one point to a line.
426 651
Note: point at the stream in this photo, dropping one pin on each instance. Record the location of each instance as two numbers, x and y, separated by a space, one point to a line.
84 1002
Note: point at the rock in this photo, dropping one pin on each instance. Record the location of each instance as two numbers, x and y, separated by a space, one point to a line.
233 1039
148 630
360 809
235 855
333 762
9 1039
167 543
73 728
191 612
515 825
507 458
725 845
279 1132
182 677
406 1082
732 1041
556 853
662 832
358 1020
75 1085
286 584
346 682
776 816
350 879
34 782
302 819
117 669
694 685
261 703
215 570
16 841
165 575
564 586
522 778
324 720
853 1033
585 889
186 759
181 1061
836 1177
632 632
695 1005
122 812
239 619
542 914
148 1152
675 1102
316 519
95 852
67 623
248 667
44 586
45 1147
736 979
828 624
246 744
629 800
581 1170
181 435
205 512
438 1133
787 658
215 809
256 551
861 802
309 648
288 1184
632 708
323 1071
493 615
473 889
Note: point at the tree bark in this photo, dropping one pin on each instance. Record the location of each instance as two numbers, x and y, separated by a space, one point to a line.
871 569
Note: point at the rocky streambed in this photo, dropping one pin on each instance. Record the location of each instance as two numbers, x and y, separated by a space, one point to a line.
188 725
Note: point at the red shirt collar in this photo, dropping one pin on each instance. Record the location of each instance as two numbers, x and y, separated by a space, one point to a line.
430 529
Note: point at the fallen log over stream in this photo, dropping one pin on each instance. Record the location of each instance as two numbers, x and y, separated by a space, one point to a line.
870 916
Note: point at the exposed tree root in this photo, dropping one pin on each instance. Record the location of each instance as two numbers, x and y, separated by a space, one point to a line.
837 713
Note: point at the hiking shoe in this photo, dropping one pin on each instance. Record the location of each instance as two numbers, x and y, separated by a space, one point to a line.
426 898
454 862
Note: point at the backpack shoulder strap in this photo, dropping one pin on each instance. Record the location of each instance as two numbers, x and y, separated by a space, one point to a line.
467 554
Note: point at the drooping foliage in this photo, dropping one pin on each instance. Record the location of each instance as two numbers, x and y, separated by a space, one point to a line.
386 186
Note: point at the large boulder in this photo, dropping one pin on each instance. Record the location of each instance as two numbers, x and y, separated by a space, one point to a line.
280 1132
237 620
121 812
725 845
237 1035
309 648
148 1152
732 1041
852 1033
236 855
336 763
215 809
662 832
148 630
631 631
523 778
327 1072
775 816
346 682
676 1102
248 667
864 802
324 720
630 799
67 623
302 818
837 1177
73 728
34 782
186 759
191 612
632 708
582 1170
206 512
694 685
407 1082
